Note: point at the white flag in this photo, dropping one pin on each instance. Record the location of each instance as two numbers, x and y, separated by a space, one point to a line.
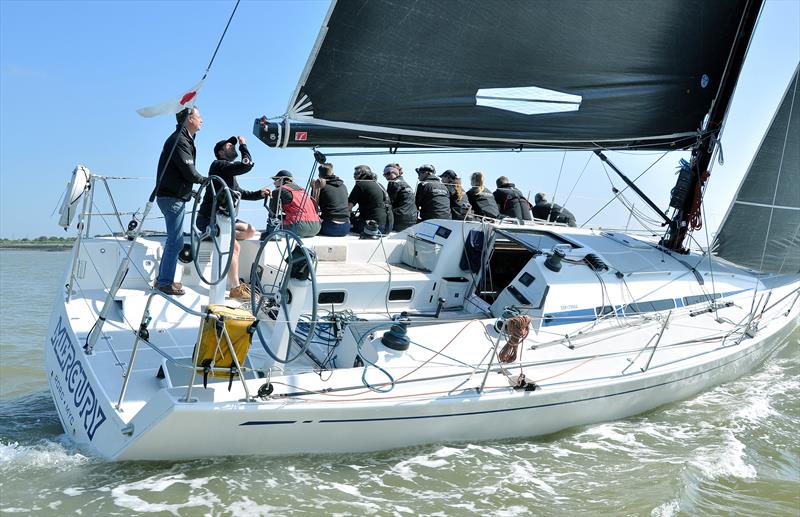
172 106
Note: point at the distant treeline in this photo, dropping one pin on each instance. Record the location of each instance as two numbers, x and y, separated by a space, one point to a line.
38 241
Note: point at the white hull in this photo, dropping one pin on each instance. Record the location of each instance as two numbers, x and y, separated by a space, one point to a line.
612 371
186 431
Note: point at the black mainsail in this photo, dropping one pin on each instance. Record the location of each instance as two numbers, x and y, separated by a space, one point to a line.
762 227
511 73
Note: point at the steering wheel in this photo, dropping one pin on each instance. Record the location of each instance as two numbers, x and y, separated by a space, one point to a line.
273 299
221 201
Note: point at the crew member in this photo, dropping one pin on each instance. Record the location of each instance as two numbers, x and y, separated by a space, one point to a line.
432 199
481 198
458 207
401 196
330 193
176 167
510 200
550 211
227 167
295 205
372 200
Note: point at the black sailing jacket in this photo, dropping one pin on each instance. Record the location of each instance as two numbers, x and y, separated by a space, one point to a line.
553 212
401 195
512 203
333 201
373 203
180 172
483 203
228 171
433 199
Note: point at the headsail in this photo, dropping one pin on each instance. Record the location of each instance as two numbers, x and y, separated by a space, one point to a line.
550 73
762 227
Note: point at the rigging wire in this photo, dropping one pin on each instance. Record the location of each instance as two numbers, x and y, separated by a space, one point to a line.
778 179
219 43
569 196
160 176
624 189
710 261
558 180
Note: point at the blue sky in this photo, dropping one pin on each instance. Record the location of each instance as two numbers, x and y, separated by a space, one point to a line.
73 73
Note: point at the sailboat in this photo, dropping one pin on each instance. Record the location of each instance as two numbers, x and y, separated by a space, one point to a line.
449 331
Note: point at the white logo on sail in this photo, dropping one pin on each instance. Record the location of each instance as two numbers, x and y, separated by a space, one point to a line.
528 100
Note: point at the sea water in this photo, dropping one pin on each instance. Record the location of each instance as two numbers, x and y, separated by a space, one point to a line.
734 450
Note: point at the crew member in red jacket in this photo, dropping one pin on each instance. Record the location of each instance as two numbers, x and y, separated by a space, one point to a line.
293 205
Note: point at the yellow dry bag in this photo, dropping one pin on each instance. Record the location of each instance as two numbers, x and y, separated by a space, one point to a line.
214 351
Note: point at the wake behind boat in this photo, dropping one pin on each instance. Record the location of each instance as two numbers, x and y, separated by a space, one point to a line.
448 330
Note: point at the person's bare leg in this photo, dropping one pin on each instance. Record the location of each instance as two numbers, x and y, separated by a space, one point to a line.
244 231
233 272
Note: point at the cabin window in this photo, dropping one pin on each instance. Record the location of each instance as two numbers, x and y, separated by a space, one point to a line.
443 232
691 300
518 295
526 279
650 306
604 310
401 295
329 297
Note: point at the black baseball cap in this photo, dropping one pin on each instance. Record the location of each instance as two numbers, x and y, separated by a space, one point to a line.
282 174
219 145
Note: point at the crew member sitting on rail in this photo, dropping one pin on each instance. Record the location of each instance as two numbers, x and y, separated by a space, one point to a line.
551 211
511 201
330 193
372 200
459 208
432 197
481 198
401 196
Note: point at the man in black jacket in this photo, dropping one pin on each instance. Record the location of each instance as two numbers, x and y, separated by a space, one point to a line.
330 193
432 197
373 202
226 167
177 173
401 195
551 211
510 200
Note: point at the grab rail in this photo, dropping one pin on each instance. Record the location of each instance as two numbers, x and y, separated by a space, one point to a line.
142 335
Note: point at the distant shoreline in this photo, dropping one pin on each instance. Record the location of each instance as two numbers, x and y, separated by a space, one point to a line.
37 247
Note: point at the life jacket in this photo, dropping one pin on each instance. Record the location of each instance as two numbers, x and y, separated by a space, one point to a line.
300 208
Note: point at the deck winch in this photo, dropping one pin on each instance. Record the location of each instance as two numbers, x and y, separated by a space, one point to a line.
396 337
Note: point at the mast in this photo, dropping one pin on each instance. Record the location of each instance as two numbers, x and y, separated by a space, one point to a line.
703 150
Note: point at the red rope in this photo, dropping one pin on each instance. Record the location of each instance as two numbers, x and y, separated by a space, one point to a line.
517 328
694 216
